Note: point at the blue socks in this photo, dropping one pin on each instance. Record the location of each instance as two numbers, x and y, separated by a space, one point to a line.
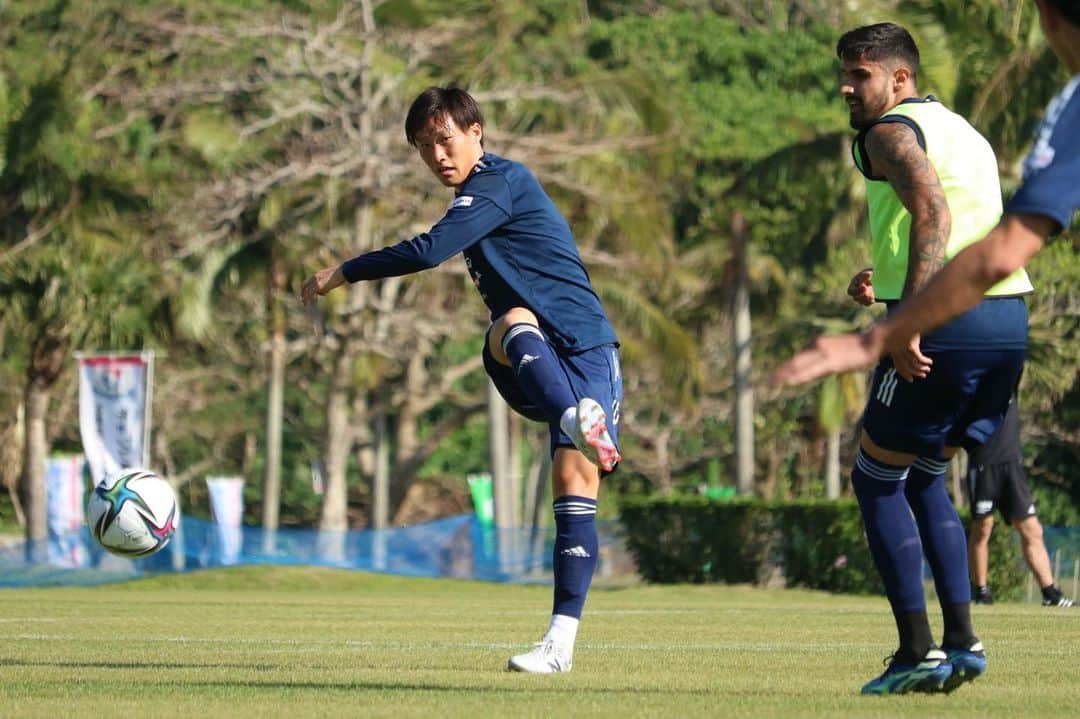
897 550
574 557
906 511
537 370
945 544
541 378
944 539
891 531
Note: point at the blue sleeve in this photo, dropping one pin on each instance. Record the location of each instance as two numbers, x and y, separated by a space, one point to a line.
1051 185
478 210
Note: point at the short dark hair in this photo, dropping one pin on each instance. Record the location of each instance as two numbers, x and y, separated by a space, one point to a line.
880 42
438 101
1070 9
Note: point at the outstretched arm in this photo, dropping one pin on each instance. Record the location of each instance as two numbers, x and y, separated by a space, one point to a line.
463 224
957 288
965 280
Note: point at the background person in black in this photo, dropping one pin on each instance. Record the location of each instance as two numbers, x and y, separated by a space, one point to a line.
996 480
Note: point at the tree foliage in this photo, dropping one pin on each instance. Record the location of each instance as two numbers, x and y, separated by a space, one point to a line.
169 173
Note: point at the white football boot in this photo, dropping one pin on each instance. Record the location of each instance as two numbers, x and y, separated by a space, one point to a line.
546 657
586 425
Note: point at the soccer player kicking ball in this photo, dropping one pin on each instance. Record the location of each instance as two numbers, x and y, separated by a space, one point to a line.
932 188
550 350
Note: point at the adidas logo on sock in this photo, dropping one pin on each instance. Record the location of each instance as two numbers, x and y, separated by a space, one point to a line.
525 359
578 551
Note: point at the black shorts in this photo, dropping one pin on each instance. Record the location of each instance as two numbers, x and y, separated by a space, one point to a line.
1002 486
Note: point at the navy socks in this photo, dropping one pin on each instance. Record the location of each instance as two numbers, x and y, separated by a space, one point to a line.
537 370
945 545
541 378
574 557
897 550
907 512
891 531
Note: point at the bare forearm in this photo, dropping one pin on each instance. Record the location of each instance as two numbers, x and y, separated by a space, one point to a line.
950 292
965 279
959 286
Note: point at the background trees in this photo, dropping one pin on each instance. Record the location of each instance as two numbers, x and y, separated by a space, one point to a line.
172 171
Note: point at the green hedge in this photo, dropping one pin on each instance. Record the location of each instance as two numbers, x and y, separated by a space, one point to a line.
815 544
823 546
697 539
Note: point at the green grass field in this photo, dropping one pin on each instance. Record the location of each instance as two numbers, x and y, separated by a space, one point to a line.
299 642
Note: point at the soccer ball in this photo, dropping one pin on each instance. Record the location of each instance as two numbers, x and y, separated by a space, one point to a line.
133 513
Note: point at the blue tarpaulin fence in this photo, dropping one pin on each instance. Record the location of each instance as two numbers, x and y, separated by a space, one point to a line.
458 546
453 547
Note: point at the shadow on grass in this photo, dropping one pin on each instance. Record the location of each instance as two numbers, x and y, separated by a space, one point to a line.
133 665
553 686
525 683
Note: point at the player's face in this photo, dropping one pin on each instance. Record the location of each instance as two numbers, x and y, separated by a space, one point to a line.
867 88
449 151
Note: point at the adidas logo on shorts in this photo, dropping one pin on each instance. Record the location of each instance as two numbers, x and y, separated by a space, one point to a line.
887 388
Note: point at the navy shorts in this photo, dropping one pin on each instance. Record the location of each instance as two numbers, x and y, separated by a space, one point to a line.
594 373
964 398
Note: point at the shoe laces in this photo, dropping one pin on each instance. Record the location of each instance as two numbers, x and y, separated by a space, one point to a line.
890 662
546 647
552 651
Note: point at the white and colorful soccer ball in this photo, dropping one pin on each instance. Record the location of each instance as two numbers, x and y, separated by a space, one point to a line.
133 513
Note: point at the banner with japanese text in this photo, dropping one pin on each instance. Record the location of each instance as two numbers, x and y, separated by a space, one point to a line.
114 402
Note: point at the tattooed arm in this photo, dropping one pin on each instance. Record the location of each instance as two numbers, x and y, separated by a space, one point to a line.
894 151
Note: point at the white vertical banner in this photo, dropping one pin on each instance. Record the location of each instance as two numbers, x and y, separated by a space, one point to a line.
114 411
227 509
64 489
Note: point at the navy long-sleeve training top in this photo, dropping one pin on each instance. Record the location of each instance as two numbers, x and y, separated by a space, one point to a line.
519 251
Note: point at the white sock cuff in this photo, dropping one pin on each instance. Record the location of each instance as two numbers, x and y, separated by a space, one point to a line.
933 467
519 329
879 470
571 504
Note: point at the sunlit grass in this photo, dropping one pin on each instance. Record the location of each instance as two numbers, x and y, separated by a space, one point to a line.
297 642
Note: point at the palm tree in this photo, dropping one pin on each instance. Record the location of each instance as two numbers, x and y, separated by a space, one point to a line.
69 278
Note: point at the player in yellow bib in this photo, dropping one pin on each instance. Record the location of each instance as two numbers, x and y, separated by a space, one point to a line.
932 189
967 173
1042 207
